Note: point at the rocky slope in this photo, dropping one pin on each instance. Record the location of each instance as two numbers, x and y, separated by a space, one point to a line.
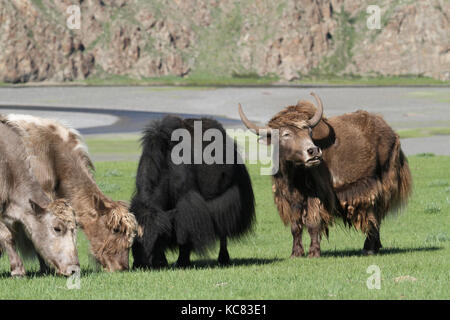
286 38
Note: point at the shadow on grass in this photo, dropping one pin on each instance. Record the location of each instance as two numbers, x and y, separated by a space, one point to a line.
383 251
238 262
213 263
38 274
196 264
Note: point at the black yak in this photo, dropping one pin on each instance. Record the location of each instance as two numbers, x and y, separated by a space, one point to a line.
188 205
351 166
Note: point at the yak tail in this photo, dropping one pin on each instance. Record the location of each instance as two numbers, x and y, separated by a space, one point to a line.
405 182
193 223
200 222
234 210
398 178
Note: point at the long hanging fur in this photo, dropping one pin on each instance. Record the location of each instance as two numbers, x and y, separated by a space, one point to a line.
385 186
187 204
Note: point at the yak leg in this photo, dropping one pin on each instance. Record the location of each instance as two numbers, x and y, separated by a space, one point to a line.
139 255
159 259
7 242
156 259
184 256
314 248
372 244
224 257
297 245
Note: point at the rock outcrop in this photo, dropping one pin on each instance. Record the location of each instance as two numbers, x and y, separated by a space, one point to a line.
289 39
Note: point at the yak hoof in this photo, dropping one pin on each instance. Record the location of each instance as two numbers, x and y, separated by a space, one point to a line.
182 264
297 255
314 254
140 266
369 252
160 264
224 258
18 272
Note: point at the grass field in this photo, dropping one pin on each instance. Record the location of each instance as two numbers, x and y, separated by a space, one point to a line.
414 262
206 80
423 132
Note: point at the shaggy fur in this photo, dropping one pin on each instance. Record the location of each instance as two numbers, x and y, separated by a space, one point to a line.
363 176
28 218
187 206
62 166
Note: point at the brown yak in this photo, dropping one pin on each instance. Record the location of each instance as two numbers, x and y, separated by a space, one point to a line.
349 166
61 164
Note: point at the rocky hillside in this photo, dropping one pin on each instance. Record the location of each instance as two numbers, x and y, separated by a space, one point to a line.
288 39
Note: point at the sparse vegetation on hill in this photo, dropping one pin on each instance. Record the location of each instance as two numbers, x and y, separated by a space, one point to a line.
224 42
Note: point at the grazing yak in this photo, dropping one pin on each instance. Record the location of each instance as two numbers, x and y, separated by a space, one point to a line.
185 205
350 166
61 164
28 219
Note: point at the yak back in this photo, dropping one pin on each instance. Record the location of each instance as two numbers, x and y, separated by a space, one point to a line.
56 150
17 183
377 178
189 203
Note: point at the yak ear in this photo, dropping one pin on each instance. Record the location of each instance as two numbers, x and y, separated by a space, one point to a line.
39 202
124 203
99 203
321 131
38 208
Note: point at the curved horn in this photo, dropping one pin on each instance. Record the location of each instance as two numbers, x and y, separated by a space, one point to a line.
250 125
314 121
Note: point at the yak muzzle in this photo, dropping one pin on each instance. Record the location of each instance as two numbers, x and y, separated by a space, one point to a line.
315 157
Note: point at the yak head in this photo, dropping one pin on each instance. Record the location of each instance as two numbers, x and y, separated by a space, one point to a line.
295 131
111 229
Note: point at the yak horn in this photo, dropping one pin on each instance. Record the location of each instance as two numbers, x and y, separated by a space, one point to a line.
250 125
314 121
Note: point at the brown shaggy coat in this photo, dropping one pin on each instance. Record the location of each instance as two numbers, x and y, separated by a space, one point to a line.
363 176
62 166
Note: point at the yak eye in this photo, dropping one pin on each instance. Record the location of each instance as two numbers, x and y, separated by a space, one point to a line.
286 134
57 229
116 230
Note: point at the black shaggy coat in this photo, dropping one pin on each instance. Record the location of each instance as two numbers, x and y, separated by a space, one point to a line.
188 206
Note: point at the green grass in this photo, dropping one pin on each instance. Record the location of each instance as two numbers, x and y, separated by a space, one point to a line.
198 79
201 81
114 144
253 79
433 95
416 243
356 80
423 132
